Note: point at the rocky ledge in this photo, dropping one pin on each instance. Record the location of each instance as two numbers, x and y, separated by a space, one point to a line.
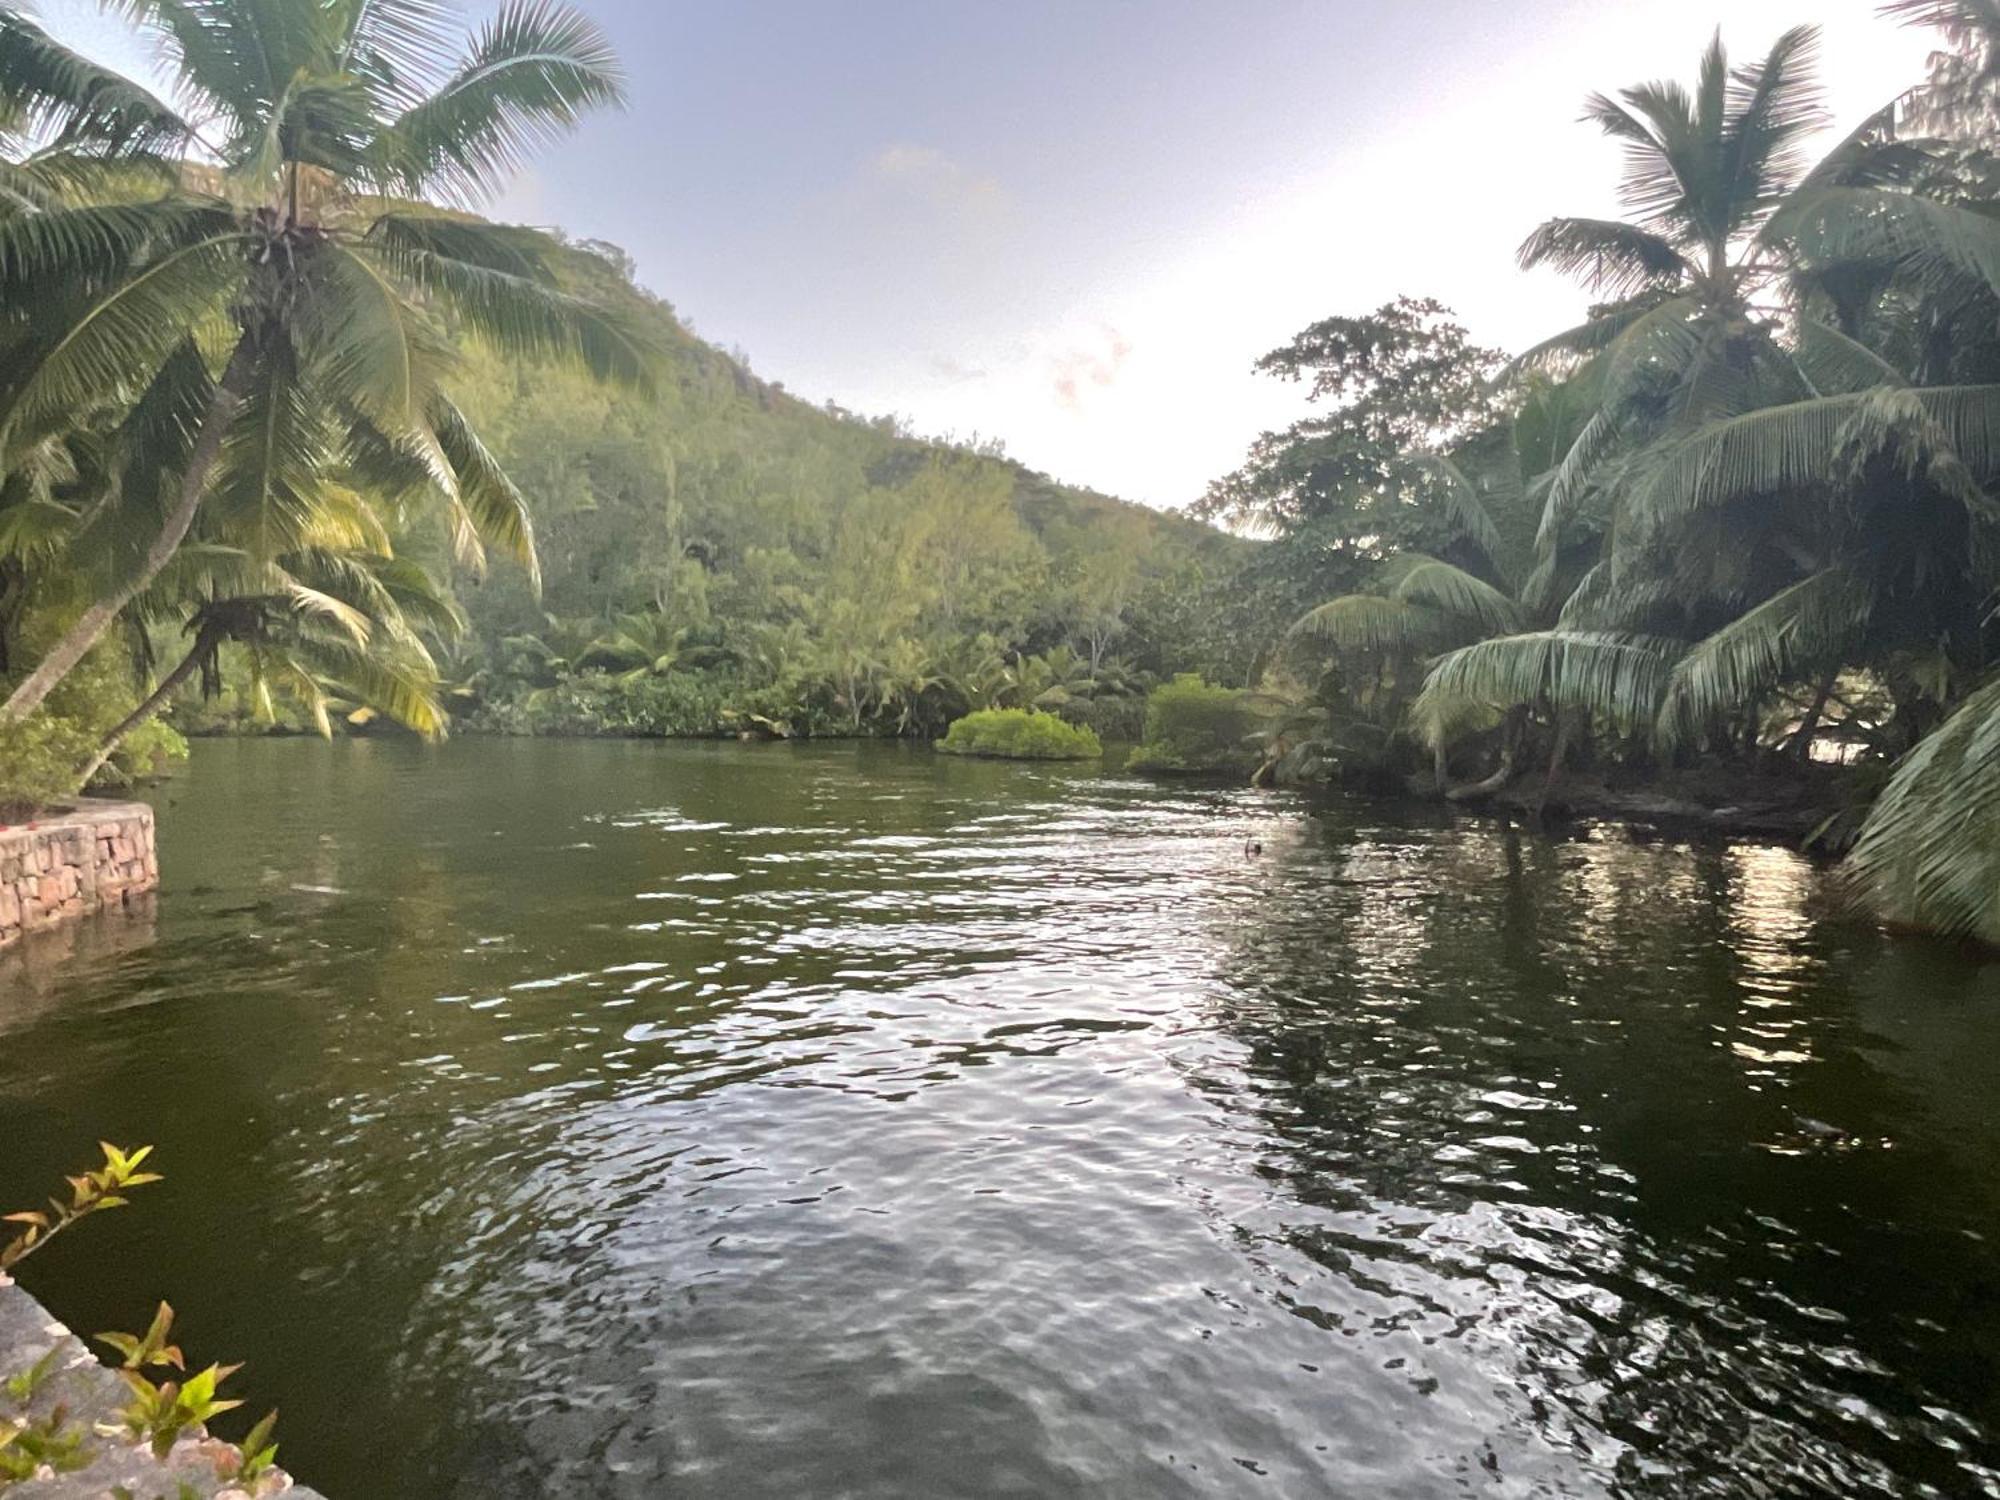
86 1399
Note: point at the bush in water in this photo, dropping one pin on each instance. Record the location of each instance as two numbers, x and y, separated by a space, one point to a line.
1019 734
1192 727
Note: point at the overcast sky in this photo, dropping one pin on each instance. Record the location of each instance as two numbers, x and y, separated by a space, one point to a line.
1073 224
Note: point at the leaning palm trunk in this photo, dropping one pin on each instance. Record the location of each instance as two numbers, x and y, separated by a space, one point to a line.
1510 741
1802 738
154 702
90 626
1564 724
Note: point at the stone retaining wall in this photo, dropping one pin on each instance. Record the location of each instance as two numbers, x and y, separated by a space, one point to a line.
71 864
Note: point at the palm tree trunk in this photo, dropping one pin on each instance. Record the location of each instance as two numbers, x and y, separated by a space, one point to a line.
1802 737
1555 762
155 701
90 626
1510 743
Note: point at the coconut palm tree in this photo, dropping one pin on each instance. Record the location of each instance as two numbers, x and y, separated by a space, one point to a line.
1495 583
1735 490
1704 277
1705 171
326 623
289 309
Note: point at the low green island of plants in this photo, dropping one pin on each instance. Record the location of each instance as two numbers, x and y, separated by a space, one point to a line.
1193 728
1019 734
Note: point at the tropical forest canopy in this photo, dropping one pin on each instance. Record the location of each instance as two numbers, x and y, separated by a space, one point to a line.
291 435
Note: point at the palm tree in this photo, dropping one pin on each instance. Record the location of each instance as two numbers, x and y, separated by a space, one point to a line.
1704 174
1420 604
635 646
1494 599
1704 275
327 622
288 311
1735 487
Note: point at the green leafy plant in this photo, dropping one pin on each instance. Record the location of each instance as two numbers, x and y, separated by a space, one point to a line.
151 1349
27 1449
1194 727
1019 734
160 1414
40 756
257 1452
23 1384
90 1192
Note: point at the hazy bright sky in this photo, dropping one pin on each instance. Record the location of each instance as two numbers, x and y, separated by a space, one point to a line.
1073 224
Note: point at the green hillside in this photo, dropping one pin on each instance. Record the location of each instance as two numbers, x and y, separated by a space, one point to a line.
724 555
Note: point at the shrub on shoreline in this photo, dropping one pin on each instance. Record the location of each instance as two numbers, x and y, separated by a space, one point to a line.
1019 734
1193 728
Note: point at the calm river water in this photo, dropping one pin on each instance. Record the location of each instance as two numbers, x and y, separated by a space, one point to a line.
620 1120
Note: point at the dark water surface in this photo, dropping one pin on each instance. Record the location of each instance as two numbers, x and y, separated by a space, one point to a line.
584 1120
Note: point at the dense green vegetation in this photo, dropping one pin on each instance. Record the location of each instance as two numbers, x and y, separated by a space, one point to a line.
227 397
1019 734
1196 727
718 556
265 414
1739 518
279 510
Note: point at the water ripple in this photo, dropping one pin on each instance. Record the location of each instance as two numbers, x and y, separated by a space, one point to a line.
831 1121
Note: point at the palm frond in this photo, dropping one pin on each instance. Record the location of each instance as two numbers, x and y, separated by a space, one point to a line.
1598 438
511 249
235 56
1451 591
63 96
369 346
1606 255
72 252
1462 505
1665 338
1370 623
1834 364
402 49
521 315
419 599
1932 240
120 336
406 690
1773 105
1657 124
1929 851
533 70
1965 22
275 457
351 622
1561 352
496 509
1617 678
1808 444
1809 628
1870 155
